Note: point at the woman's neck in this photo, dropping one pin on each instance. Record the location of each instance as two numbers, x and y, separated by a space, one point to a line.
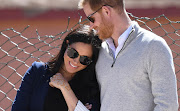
68 76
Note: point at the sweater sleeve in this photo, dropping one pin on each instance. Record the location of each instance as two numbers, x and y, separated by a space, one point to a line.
22 99
162 76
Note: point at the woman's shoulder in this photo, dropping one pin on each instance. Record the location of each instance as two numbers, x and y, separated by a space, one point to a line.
37 69
39 65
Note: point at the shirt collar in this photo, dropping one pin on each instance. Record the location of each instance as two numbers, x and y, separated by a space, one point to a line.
124 36
121 38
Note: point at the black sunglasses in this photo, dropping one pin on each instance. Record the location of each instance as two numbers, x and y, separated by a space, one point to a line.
72 53
92 19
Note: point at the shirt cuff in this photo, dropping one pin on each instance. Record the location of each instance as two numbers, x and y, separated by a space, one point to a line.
80 107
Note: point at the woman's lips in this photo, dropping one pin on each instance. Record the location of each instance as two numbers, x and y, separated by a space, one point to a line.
72 65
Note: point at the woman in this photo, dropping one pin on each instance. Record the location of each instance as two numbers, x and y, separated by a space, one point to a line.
65 82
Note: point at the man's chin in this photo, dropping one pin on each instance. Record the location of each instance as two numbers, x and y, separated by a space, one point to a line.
100 37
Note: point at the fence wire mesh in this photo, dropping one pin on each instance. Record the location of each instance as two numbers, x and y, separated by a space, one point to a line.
18 52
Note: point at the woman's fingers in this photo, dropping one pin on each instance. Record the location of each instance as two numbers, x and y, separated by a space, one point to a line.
57 81
88 106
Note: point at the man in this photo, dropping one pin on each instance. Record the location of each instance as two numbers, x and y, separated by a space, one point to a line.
135 68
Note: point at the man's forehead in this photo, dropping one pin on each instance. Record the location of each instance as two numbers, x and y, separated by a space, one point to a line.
87 9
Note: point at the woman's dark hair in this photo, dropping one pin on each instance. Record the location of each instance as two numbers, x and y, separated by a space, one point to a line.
85 77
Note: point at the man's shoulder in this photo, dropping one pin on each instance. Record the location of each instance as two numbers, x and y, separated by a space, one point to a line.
144 32
149 35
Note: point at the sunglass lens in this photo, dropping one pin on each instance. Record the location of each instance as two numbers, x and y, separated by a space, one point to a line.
85 60
72 53
91 19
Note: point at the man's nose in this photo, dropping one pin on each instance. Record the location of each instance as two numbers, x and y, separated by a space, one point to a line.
91 25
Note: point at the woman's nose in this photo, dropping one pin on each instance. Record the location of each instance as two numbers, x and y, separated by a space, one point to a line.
76 60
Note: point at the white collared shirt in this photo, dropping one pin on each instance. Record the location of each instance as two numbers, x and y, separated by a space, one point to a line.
80 107
121 41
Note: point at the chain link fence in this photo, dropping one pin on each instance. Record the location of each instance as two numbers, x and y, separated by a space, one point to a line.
18 52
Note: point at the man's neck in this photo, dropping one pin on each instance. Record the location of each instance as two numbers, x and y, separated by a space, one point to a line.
122 23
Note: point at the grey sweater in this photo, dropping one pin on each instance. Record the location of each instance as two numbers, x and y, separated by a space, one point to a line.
142 77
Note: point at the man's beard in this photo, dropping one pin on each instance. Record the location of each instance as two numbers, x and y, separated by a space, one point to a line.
105 29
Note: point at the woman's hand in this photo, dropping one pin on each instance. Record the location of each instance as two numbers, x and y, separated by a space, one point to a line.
59 82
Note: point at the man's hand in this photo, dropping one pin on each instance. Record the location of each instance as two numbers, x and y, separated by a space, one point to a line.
88 106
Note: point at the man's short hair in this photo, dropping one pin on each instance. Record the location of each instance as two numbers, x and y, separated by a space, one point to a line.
95 4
